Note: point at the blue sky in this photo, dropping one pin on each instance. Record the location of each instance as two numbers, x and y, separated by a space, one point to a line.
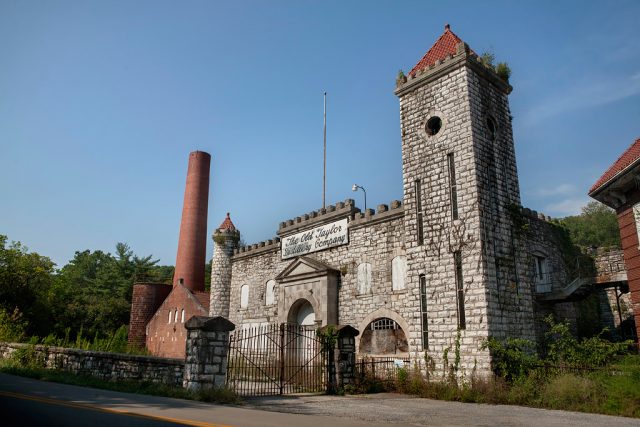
101 102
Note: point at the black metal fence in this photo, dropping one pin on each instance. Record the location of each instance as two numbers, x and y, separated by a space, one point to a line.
381 368
276 359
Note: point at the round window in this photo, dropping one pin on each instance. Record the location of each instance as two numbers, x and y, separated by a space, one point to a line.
434 124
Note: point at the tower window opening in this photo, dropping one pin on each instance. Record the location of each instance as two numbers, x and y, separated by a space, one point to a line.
453 188
491 127
420 230
423 310
434 124
462 322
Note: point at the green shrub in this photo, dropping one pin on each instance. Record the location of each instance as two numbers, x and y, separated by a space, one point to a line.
512 358
12 326
565 349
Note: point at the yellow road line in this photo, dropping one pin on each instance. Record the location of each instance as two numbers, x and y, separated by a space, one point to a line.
111 411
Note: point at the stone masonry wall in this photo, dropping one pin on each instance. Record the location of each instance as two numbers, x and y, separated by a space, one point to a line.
505 258
106 366
425 158
373 238
221 274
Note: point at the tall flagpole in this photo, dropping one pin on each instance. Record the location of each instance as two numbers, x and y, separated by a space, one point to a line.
324 169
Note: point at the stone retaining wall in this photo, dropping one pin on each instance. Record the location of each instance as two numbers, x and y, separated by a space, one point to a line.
107 366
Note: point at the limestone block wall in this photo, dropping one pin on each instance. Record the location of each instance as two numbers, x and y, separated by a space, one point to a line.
221 274
374 237
425 158
106 366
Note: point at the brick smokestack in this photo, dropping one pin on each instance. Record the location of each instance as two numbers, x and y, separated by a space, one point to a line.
192 246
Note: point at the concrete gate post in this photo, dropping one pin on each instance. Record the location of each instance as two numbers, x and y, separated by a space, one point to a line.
207 349
342 358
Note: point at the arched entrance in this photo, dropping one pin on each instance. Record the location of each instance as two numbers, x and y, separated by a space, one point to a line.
303 341
384 337
302 313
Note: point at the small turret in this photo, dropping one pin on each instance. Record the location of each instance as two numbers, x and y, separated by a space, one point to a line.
225 240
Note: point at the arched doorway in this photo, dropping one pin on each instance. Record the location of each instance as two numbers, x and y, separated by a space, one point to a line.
384 337
302 341
302 313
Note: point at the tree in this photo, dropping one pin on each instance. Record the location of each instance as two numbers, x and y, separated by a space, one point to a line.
25 279
93 291
596 226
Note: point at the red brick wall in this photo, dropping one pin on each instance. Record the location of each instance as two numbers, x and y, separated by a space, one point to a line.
168 339
146 299
629 237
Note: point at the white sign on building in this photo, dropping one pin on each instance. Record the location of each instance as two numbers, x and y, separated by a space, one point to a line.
317 239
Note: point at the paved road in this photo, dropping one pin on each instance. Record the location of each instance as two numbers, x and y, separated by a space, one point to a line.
303 411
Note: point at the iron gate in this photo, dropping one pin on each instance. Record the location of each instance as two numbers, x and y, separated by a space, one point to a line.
276 359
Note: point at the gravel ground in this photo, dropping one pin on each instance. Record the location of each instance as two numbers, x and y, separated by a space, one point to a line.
409 411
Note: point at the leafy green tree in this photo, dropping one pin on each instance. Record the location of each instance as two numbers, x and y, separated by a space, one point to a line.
596 226
25 278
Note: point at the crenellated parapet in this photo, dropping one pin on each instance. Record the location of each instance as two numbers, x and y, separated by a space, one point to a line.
533 214
346 209
257 248
463 56
383 213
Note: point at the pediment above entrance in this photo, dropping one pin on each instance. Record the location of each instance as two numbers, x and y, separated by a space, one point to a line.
305 267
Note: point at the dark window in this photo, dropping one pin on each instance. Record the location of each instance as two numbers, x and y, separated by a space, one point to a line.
420 230
462 323
423 310
491 127
434 124
453 190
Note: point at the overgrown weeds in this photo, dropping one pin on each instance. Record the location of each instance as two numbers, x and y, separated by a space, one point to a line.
588 375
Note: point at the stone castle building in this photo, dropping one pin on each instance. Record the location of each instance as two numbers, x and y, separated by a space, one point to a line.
455 261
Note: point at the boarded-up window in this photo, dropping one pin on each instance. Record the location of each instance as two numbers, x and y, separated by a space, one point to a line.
364 278
398 272
270 294
244 296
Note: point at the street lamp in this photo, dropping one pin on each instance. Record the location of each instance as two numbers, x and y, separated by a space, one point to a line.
355 188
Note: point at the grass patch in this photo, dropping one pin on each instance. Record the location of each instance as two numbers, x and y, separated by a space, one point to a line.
216 395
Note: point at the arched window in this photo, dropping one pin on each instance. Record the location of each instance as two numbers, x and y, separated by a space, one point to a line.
170 315
364 278
182 317
175 318
398 272
270 295
244 296
384 337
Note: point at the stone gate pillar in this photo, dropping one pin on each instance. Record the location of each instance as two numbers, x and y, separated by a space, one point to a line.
342 358
206 354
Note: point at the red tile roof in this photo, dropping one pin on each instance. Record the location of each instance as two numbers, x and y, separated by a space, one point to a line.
227 224
443 47
624 161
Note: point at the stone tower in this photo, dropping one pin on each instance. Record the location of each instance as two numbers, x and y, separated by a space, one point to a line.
225 240
192 244
461 193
